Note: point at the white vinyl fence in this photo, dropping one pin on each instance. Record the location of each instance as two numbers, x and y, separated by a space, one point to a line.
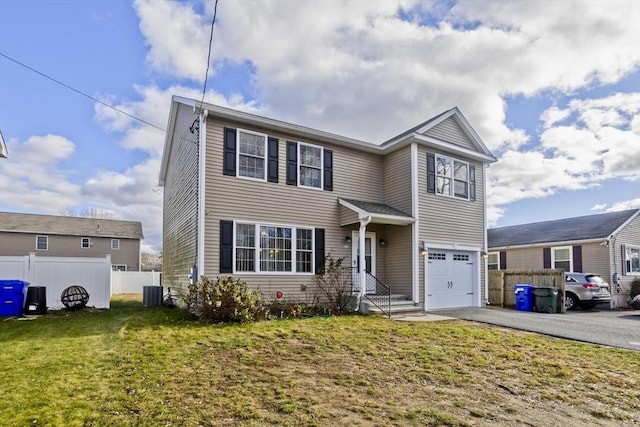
132 282
58 273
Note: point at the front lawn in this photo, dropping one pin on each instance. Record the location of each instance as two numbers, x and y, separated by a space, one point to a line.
136 366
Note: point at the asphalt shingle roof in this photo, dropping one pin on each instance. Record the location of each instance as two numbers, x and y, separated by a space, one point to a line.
70 226
562 230
377 208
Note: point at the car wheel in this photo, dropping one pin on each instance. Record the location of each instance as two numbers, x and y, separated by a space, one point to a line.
571 302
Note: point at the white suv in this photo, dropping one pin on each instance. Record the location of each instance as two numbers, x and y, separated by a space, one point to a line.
585 290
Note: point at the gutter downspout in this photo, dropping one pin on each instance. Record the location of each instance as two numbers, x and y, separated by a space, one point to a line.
361 257
202 212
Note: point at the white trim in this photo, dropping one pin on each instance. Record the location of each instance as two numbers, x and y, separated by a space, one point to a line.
451 246
485 242
355 236
299 165
627 259
238 154
118 245
47 241
454 148
377 218
493 253
415 228
82 246
202 211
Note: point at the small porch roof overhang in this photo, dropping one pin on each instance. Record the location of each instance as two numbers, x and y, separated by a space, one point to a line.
379 213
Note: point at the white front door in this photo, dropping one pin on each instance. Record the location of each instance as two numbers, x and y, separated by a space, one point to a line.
369 258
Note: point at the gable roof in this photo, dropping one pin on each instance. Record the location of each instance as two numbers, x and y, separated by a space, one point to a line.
582 228
413 135
70 226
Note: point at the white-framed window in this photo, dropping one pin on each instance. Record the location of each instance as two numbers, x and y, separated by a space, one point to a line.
632 259
310 165
562 258
42 243
115 244
452 177
85 242
267 248
252 152
118 267
493 261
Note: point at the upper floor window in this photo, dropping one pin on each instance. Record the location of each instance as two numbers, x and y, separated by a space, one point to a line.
561 258
85 242
450 177
42 243
632 259
310 166
115 244
252 149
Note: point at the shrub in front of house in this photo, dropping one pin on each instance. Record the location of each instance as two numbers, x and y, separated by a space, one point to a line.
225 300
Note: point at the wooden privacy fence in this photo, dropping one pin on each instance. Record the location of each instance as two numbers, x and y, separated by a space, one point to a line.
501 283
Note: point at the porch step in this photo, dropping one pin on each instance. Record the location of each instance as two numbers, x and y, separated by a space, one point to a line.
399 304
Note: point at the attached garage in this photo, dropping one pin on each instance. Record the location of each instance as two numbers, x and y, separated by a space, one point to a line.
451 280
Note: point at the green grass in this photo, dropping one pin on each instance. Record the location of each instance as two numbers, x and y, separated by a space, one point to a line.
136 366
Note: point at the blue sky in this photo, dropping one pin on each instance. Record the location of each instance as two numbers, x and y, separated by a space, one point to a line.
553 91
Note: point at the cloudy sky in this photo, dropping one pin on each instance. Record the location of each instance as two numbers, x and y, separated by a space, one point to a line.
552 88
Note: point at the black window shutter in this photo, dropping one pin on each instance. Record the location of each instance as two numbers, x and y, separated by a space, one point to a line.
292 163
226 246
472 183
431 173
577 259
328 170
624 259
272 165
319 250
546 257
229 157
503 260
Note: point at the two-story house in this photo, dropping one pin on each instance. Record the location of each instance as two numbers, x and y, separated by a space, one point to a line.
65 236
265 201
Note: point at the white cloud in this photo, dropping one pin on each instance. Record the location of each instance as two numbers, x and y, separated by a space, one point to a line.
625 205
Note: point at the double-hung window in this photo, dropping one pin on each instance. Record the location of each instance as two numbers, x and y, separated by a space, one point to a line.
493 261
115 244
263 248
561 258
450 177
252 149
42 243
632 259
310 166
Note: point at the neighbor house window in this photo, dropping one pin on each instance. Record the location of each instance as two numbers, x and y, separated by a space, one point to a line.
265 248
493 261
452 177
561 258
85 242
310 166
252 148
632 259
118 267
42 243
115 244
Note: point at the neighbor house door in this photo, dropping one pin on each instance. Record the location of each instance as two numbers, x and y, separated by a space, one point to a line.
369 258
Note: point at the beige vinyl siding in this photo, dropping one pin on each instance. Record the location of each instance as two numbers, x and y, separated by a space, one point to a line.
525 259
356 175
180 208
450 219
629 235
19 244
595 259
450 131
348 216
398 259
397 180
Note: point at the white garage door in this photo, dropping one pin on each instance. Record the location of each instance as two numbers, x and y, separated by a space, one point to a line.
449 279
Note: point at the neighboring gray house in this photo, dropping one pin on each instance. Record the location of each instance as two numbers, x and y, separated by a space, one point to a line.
64 236
265 201
607 244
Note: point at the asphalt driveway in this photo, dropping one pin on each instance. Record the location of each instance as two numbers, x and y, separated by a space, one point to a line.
615 328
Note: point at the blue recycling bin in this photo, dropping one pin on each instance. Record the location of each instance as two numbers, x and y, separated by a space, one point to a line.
12 297
525 298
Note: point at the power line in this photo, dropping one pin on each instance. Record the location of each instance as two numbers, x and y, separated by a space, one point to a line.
206 74
81 93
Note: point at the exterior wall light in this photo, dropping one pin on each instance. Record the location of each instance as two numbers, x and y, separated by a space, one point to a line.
422 249
382 242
